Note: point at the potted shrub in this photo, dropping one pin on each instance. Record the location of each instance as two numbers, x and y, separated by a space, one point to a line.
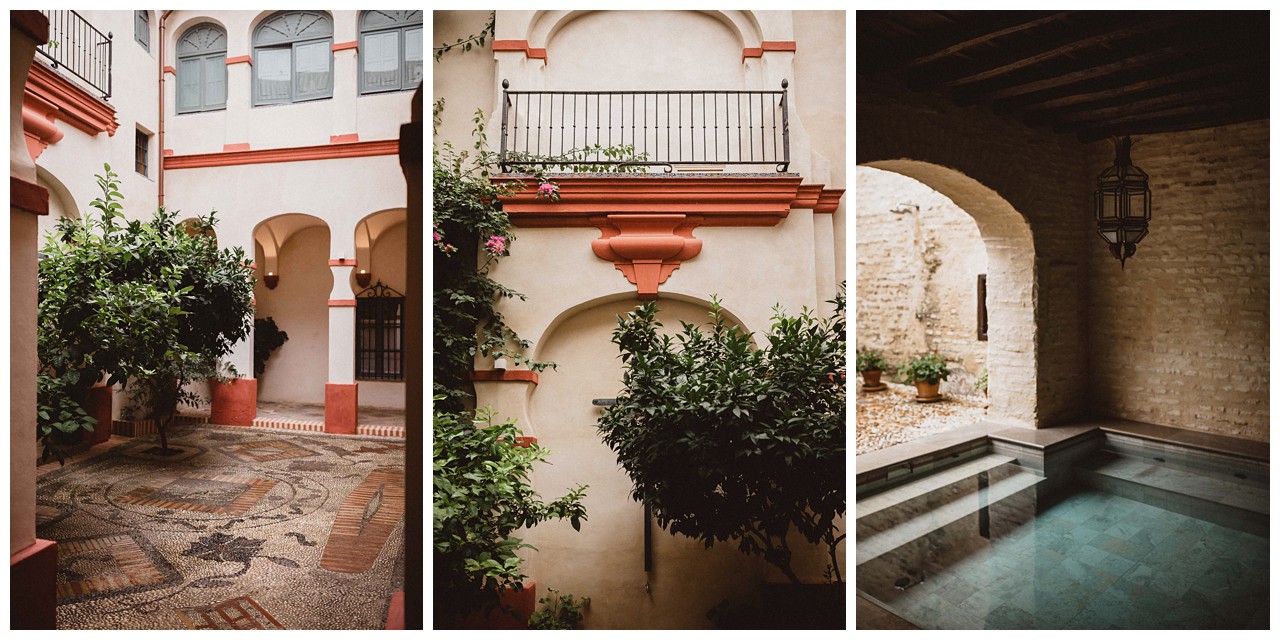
871 364
981 384
927 372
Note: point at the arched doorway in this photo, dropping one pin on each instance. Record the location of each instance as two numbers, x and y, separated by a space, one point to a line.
1012 364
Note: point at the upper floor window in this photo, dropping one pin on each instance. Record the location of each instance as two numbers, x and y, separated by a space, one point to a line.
293 58
142 29
390 50
202 69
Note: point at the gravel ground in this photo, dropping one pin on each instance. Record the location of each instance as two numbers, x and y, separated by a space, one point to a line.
889 417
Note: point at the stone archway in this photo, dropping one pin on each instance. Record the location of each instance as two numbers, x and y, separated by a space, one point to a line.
1013 368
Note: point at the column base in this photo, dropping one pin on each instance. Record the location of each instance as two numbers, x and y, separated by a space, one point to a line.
341 410
99 407
33 571
234 404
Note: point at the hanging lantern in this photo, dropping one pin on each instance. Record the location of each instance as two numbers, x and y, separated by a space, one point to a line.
1122 203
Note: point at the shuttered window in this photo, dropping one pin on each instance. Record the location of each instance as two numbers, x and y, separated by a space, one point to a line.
390 51
202 69
142 29
293 58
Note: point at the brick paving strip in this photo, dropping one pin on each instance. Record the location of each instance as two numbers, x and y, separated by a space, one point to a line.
364 521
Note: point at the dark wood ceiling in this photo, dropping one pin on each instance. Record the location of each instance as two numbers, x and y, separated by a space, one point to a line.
1093 74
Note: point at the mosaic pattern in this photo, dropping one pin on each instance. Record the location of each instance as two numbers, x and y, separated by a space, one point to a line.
106 565
237 613
365 521
216 541
218 493
264 451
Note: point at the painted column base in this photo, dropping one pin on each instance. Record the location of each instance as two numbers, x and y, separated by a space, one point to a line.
521 602
33 571
395 612
99 408
234 404
340 408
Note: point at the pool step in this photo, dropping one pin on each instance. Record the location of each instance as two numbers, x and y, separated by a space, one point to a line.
1200 493
933 502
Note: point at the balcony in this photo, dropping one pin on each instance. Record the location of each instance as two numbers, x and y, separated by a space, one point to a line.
586 131
78 48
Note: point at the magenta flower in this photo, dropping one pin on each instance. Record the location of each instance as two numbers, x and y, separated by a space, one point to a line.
437 236
496 245
547 189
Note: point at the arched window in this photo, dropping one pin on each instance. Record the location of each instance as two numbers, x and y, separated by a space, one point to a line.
293 58
390 50
202 69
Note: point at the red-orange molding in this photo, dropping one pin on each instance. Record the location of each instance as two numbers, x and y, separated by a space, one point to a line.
290 154
28 197
714 201
342 262
647 248
342 303
807 196
828 201
504 375
521 45
236 146
344 137
752 52
778 45
342 46
241 59
69 103
170 70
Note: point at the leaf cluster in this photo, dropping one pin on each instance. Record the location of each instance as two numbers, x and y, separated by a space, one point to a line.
725 441
560 612
871 361
482 494
267 337
594 158
465 44
928 367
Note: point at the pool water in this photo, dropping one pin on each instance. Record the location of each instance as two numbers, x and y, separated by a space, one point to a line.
987 558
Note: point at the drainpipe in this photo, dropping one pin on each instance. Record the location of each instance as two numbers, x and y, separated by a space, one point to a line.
160 124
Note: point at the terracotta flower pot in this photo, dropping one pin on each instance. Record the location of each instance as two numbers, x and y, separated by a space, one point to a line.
927 392
98 406
871 381
521 604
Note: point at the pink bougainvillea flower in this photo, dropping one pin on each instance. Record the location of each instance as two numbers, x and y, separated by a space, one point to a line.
496 245
547 189
437 236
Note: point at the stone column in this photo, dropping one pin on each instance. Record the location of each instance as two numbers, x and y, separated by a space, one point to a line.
340 393
235 403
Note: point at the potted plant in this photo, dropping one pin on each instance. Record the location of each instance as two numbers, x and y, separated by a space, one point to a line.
981 384
927 372
871 364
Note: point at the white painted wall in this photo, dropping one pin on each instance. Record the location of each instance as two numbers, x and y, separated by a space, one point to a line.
297 371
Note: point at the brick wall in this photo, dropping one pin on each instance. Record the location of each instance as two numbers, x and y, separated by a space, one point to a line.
1180 337
917 276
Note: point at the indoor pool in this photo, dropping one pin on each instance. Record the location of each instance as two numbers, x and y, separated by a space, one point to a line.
1138 542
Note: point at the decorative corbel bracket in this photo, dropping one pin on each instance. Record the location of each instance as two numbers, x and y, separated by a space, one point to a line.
647 248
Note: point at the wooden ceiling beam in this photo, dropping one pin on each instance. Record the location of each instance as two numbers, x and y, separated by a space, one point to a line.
984 34
1230 93
1200 119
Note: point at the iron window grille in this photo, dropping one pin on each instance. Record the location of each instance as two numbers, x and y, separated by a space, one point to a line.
379 333
142 29
202 69
78 47
140 143
665 128
293 58
390 51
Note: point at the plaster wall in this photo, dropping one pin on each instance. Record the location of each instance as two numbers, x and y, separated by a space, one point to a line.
388 265
917 275
1030 195
1180 336
819 89
297 371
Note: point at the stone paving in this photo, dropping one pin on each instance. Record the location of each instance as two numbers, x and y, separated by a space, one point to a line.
247 529
889 417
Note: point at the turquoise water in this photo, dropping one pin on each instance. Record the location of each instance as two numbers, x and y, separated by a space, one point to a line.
1091 561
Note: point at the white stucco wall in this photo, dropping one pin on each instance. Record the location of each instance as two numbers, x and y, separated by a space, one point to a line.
296 372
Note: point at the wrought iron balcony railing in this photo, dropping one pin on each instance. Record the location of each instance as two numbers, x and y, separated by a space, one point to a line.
585 130
78 47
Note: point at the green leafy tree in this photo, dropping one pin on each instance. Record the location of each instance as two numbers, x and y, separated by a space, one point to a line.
153 304
724 441
482 494
267 337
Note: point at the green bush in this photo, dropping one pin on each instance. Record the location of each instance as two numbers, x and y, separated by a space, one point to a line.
561 612
929 367
981 384
871 361
267 337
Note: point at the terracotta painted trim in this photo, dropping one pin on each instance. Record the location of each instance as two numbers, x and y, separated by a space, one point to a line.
521 45
168 153
342 262
70 103
829 201
32 23
342 303
711 201
526 441
647 248
750 52
28 197
504 375
170 70
38 126
240 59
345 137
778 45
35 568
237 146
341 407
807 196
289 154
343 46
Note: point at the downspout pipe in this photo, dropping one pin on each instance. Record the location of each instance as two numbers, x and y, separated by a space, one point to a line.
160 122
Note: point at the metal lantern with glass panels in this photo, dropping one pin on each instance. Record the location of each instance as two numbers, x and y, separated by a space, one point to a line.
1122 203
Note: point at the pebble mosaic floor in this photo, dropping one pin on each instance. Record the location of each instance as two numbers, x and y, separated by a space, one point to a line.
1093 561
244 530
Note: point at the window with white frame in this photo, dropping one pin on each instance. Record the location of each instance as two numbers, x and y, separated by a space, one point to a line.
390 50
293 58
202 69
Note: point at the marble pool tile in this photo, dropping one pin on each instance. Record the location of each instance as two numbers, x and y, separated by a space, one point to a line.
1007 616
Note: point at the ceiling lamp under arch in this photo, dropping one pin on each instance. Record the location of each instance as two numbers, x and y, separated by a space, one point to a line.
1122 203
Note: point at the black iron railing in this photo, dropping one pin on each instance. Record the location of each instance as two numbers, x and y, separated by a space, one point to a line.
575 129
79 48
